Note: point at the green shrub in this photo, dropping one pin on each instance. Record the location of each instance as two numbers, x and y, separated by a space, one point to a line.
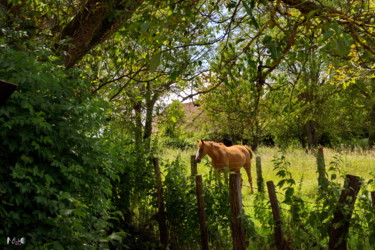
56 171
181 208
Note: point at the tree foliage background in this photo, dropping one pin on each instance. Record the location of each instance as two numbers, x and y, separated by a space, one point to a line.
77 135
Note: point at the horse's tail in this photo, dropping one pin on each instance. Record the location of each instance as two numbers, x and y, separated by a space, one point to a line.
250 151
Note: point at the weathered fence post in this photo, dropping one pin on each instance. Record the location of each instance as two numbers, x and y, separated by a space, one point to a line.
373 202
279 237
341 218
201 212
160 200
193 166
260 181
236 212
322 179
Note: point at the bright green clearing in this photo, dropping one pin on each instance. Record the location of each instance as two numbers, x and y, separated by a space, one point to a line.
302 165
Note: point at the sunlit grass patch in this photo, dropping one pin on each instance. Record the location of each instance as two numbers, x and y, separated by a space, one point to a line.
303 165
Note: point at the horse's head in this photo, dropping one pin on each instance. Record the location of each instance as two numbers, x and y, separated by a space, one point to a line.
201 152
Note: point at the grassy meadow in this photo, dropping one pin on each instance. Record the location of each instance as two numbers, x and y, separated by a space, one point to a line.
303 165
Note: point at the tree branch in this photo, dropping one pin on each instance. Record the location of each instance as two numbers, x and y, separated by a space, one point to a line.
92 26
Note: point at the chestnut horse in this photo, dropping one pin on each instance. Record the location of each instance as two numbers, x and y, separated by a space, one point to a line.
233 157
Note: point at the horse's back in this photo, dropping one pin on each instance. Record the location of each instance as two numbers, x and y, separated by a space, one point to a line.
234 157
239 155
244 149
247 151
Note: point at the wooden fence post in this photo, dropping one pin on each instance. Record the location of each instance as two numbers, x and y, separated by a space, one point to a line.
260 181
193 166
201 212
236 212
160 200
279 237
341 218
373 203
322 179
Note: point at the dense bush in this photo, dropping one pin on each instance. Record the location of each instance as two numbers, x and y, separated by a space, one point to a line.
178 143
56 169
180 206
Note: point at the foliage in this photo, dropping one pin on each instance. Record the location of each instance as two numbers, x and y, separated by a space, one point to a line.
180 206
56 170
172 119
75 145
308 222
216 194
170 127
285 71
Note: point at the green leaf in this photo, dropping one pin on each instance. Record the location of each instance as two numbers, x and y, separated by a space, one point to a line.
241 39
249 11
347 41
341 47
272 46
336 27
254 22
328 34
174 75
145 26
281 183
115 236
333 177
289 192
281 173
67 211
154 62
310 14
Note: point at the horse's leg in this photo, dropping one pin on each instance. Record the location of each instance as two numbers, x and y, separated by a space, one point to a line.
247 168
239 171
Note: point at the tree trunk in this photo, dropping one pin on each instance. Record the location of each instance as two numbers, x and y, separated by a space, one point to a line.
94 23
150 104
371 139
148 128
255 143
138 125
311 133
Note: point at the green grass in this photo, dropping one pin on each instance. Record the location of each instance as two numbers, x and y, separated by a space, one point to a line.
303 165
